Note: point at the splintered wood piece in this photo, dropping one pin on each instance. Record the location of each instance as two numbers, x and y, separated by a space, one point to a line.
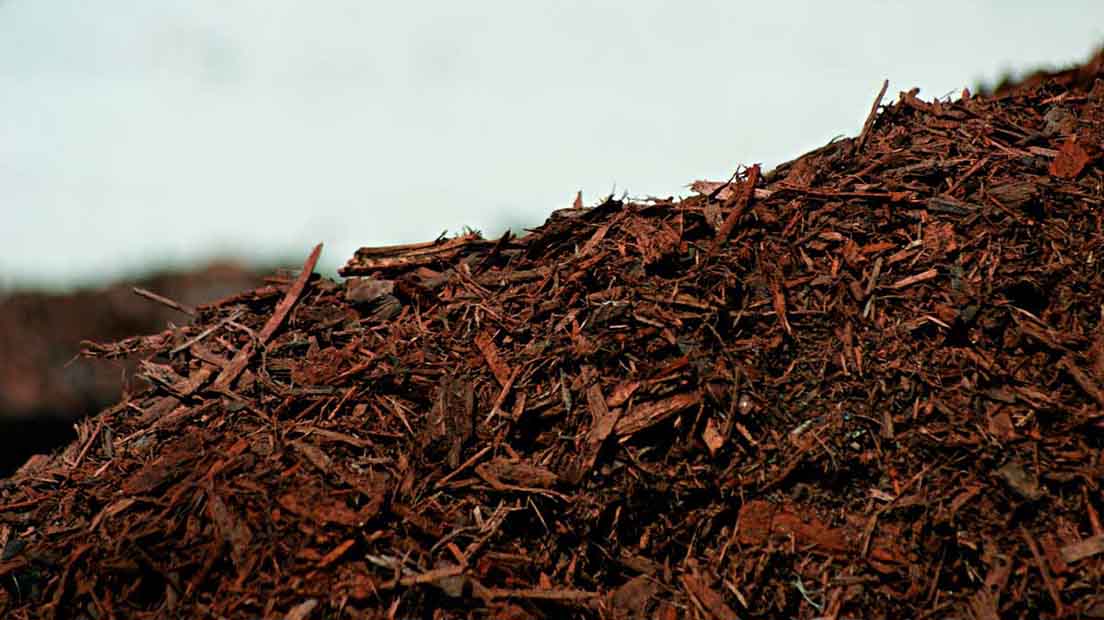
649 414
232 529
603 421
1071 160
241 359
486 346
1085 549
869 123
737 206
915 279
778 300
710 601
165 301
369 260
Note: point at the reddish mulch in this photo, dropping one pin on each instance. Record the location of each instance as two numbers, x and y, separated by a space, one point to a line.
1080 77
867 384
43 389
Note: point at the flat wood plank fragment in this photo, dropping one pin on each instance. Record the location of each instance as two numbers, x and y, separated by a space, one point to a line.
649 414
1085 549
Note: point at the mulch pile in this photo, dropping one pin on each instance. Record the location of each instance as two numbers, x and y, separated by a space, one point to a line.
43 389
867 384
1080 76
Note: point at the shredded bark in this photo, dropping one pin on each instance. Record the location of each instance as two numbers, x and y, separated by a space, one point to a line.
866 383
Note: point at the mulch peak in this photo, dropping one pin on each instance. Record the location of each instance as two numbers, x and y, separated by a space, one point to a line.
868 383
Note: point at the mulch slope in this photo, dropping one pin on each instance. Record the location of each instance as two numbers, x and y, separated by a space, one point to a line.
867 384
44 390
1080 76
41 332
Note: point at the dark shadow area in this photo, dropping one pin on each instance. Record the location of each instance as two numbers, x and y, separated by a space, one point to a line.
23 437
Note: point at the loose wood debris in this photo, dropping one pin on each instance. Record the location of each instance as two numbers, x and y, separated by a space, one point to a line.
45 388
866 384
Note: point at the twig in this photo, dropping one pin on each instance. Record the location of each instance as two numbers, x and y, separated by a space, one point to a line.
873 115
462 467
1043 570
87 445
207 332
164 301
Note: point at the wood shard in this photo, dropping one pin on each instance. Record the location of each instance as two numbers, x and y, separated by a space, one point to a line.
649 414
1071 160
603 422
501 371
915 279
712 602
239 362
1085 549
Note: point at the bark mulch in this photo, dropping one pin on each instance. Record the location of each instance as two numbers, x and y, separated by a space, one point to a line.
866 384
44 387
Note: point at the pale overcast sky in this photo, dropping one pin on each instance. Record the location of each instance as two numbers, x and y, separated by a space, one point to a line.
142 134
